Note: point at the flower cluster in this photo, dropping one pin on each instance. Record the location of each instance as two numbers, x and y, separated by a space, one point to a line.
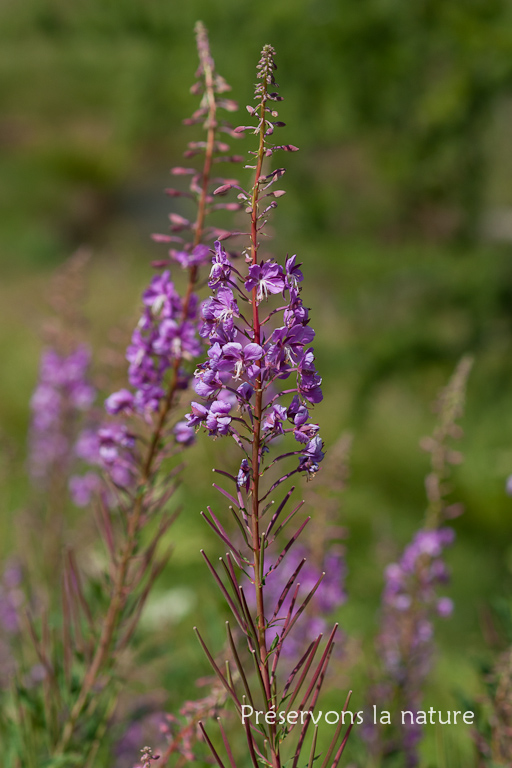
410 601
405 643
60 398
166 332
237 367
112 449
164 338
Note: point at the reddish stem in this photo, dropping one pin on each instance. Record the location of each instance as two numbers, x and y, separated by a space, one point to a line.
258 552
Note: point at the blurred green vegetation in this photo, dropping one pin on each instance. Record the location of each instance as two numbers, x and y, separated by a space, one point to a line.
400 111
392 104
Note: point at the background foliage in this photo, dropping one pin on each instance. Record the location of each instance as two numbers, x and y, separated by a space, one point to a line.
397 203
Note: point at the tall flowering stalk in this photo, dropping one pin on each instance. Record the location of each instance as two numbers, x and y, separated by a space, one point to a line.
98 621
254 347
410 600
161 344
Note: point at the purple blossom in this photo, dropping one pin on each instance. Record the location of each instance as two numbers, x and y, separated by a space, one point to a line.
117 402
295 312
112 439
297 412
312 456
309 381
219 310
83 488
184 433
266 278
198 414
207 382
306 433
162 296
287 343
273 421
220 272
243 479
197 256
177 340
294 275
235 358
444 607
166 331
244 392
87 446
218 418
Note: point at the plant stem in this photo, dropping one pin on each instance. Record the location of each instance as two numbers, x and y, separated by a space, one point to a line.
258 552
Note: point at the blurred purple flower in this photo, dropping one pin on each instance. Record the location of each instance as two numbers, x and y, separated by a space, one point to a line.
61 397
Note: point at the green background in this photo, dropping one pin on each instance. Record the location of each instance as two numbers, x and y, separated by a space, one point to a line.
398 203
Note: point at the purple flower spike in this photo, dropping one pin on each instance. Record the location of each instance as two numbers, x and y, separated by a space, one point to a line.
235 353
249 358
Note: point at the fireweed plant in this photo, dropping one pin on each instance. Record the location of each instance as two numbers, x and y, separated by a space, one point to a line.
258 386
410 601
62 720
